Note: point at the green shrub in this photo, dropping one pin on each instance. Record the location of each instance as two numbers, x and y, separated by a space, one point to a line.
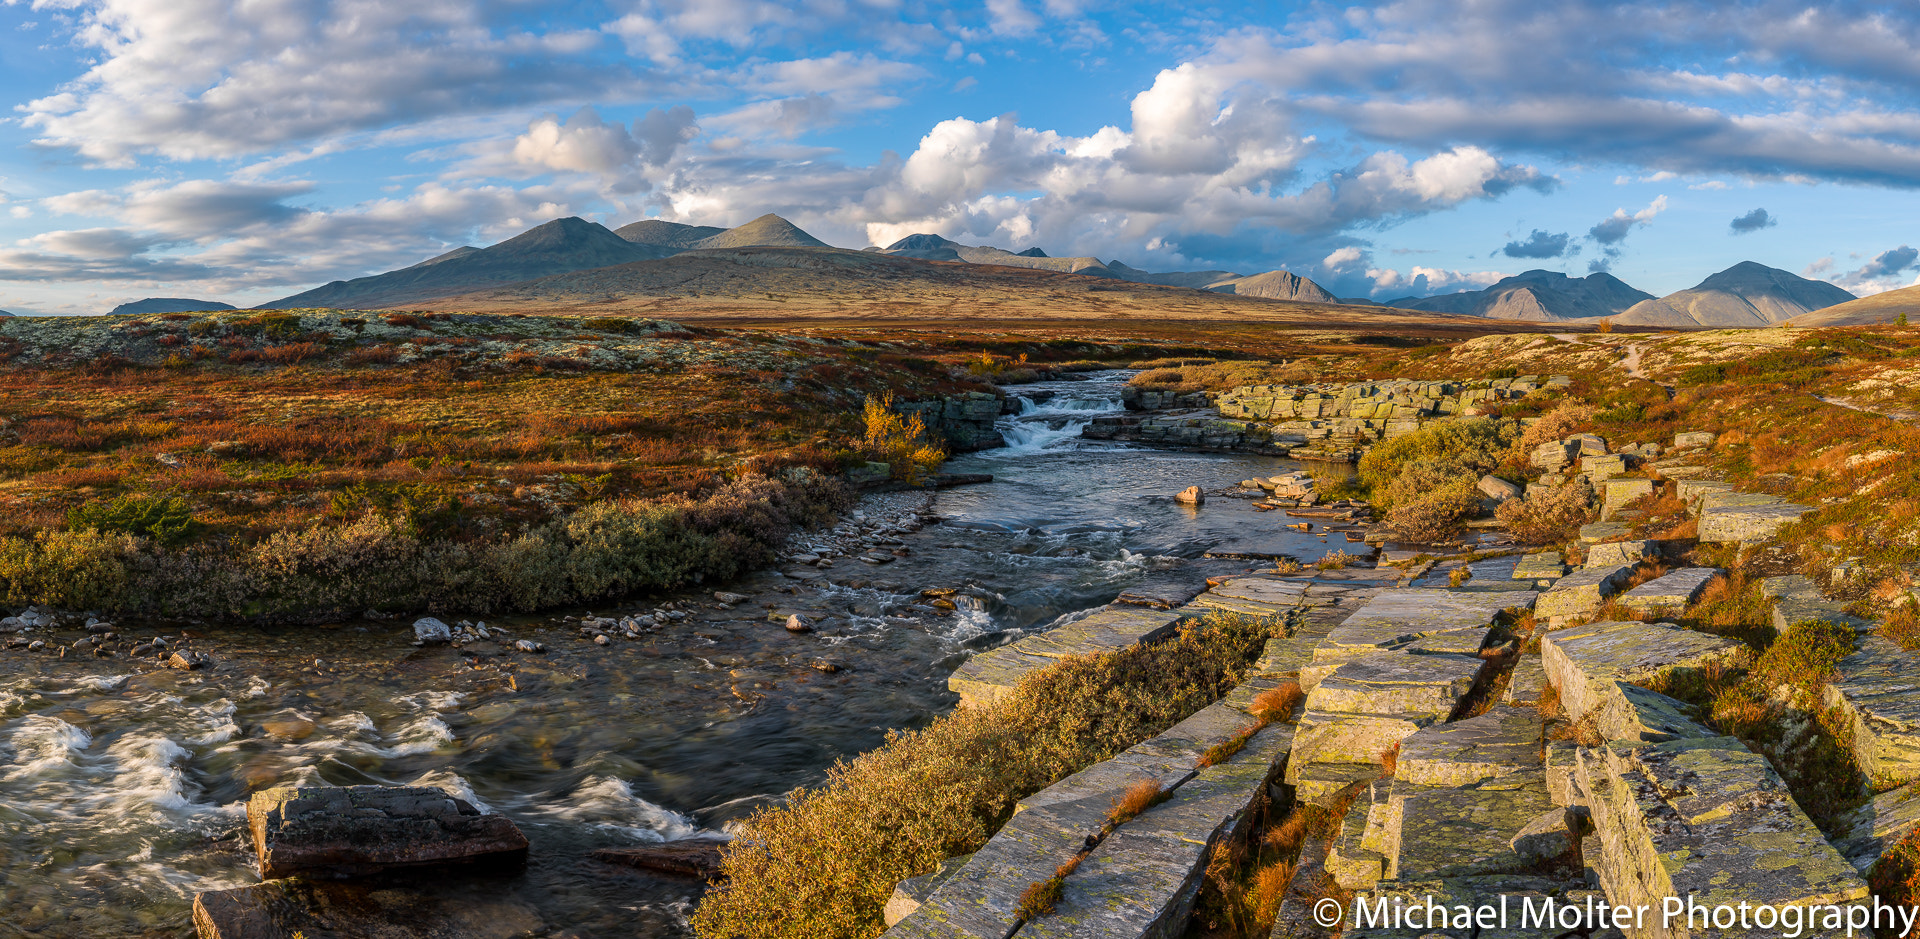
609 324
822 866
165 520
1474 445
1548 516
1805 655
76 570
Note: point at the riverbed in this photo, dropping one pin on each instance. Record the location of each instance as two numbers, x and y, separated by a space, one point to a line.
122 784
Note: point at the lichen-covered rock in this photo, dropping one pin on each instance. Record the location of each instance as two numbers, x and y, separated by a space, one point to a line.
1580 593
1748 523
430 631
1868 832
1466 831
1672 592
1693 440
354 831
910 893
1588 664
987 676
1545 838
1499 490
1501 742
1422 686
1619 553
1394 618
1707 819
1547 565
1878 689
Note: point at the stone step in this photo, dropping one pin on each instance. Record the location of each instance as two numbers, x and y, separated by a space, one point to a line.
1547 565
1467 831
1397 683
1671 593
1394 618
985 677
1706 818
1503 741
1748 523
1589 664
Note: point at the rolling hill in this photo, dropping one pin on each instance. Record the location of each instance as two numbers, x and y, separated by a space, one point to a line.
1876 310
1536 296
1746 295
1273 285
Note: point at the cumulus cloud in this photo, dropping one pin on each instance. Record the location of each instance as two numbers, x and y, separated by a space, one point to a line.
1614 228
1540 244
1889 263
1751 222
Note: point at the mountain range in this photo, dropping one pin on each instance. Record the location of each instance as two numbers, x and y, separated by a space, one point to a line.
1273 285
168 305
572 262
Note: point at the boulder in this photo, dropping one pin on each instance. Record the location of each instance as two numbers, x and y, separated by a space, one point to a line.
1693 440
1603 467
1545 838
1552 455
1499 490
692 858
1619 553
354 831
186 659
431 632
1590 663
1616 493
1589 444
1191 496
798 624
1748 523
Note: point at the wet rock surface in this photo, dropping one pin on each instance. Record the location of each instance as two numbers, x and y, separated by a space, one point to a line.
355 831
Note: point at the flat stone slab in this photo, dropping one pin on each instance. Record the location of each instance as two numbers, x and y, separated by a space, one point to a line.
978 900
1342 738
1588 663
1396 617
910 893
1728 498
285 909
1527 682
355 831
1396 683
985 677
1547 565
1692 491
1463 832
1866 833
1320 783
1581 593
1503 741
1708 819
1799 609
1879 690
1748 523
1673 591
1602 531
1143 879
1616 493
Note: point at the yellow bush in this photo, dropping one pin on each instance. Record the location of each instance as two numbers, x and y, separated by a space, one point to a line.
899 441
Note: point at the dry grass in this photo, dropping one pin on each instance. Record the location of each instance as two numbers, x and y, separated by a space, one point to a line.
1138 798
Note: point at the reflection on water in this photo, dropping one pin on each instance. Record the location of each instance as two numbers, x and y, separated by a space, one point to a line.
122 787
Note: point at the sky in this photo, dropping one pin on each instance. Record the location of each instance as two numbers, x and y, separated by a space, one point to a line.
245 151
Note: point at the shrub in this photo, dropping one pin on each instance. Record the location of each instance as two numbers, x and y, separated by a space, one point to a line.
166 521
899 441
76 570
1566 418
1548 516
1437 513
1456 447
609 324
1805 655
823 865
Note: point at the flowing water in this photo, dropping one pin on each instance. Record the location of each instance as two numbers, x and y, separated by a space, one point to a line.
122 786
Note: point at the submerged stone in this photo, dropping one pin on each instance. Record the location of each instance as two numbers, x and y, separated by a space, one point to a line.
287 909
354 831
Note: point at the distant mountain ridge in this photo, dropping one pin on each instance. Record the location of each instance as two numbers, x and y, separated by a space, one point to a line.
168 305
1273 285
1536 296
1746 295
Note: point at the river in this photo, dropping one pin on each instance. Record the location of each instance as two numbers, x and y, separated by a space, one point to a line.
123 785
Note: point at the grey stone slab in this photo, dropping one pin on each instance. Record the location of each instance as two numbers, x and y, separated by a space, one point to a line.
1798 609
1878 688
1547 565
1111 778
1393 618
1354 859
979 899
1708 819
1396 683
1798 586
1589 663
1343 738
1672 592
1503 741
1603 531
1463 832
1322 783
1285 656
1581 593
1748 524
1728 498
1868 832
1619 553
1527 681
1467 642
1692 491
991 674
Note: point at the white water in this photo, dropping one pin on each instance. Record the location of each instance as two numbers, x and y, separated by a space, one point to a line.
1057 422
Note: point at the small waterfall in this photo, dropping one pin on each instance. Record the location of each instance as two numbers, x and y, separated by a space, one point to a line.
1056 418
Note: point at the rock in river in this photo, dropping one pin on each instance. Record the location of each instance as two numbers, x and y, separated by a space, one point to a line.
354 831
1191 496
285 909
431 632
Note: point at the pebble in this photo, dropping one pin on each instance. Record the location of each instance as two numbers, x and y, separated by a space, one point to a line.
798 624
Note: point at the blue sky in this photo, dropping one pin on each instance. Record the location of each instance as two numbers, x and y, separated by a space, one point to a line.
242 152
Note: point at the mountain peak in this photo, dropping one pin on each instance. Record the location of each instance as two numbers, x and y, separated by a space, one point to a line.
767 230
